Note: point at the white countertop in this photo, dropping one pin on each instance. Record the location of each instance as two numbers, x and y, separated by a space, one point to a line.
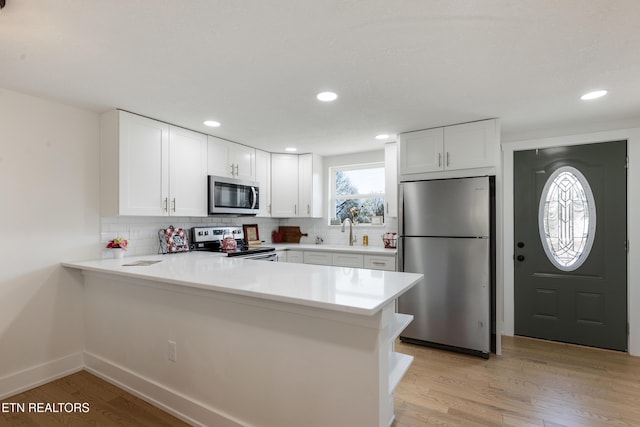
351 290
358 249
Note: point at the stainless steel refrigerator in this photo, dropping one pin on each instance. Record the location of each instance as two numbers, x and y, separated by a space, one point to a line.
447 232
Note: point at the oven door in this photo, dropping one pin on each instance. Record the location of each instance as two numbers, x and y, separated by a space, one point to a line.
233 196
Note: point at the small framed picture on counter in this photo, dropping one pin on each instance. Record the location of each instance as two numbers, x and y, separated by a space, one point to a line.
251 232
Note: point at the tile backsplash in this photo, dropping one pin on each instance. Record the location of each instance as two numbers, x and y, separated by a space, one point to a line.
142 232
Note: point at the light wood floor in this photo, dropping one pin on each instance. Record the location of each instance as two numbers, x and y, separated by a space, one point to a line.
534 383
108 406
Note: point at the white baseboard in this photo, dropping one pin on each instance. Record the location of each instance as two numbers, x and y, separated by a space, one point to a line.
158 395
35 376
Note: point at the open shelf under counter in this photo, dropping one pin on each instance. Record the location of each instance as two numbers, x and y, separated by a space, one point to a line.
398 366
399 322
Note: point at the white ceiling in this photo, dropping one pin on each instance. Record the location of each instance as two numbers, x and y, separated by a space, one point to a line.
256 65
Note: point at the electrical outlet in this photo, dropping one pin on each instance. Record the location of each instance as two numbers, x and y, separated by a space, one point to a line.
172 351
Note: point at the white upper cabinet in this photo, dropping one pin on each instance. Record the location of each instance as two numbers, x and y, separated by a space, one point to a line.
421 151
284 185
310 186
390 180
187 173
263 177
226 158
296 186
464 146
470 145
150 168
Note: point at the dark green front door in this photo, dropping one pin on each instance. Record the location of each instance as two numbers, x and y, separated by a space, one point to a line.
570 231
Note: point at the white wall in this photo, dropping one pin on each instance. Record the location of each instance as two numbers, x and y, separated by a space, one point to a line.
633 213
49 196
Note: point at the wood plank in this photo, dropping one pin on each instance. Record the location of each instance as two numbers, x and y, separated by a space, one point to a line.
108 404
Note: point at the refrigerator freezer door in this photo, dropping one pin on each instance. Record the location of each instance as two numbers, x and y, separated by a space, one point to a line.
451 304
450 207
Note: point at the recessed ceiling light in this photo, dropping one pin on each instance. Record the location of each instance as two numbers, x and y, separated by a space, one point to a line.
211 123
593 95
382 136
291 149
327 96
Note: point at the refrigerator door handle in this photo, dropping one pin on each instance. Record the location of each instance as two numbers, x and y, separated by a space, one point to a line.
400 210
400 228
400 253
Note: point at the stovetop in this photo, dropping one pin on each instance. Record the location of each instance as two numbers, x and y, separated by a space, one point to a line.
210 239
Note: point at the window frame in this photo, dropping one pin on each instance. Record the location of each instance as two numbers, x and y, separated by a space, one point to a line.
332 188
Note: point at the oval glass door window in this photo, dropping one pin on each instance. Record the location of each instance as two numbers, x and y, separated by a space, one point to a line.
567 218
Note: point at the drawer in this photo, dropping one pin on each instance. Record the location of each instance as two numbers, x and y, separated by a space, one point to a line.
377 262
348 260
318 258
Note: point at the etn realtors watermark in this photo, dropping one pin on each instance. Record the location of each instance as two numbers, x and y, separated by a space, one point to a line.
45 407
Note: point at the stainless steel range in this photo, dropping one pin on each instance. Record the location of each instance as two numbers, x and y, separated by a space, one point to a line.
212 239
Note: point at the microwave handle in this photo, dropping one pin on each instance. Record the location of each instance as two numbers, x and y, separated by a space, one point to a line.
253 197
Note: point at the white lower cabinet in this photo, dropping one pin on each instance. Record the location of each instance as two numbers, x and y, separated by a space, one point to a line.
339 259
348 260
295 256
317 258
282 256
380 262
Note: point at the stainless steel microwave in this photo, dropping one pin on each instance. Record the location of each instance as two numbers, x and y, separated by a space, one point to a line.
233 196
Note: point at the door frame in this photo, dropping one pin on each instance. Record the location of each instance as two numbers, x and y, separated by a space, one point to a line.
632 136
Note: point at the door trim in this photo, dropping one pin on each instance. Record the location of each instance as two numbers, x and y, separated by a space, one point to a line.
633 229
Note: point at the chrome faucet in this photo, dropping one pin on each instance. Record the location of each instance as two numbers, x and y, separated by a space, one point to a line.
351 239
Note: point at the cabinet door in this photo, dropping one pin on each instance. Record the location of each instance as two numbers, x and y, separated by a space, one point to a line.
187 173
421 151
244 162
317 258
295 256
348 260
470 145
219 157
305 185
263 177
284 185
390 180
310 186
143 161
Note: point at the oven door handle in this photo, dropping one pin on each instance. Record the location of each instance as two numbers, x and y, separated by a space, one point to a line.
262 257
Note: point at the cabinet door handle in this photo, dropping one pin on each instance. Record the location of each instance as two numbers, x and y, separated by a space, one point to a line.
295 209
237 173
308 210
447 158
387 208
165 204
378 263
231 169
173 203
439 159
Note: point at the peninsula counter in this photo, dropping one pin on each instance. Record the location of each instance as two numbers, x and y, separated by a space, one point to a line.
236 342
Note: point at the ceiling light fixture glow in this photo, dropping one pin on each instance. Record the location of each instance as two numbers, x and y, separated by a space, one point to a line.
291 149
211 123
593 95
327 96
382 136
